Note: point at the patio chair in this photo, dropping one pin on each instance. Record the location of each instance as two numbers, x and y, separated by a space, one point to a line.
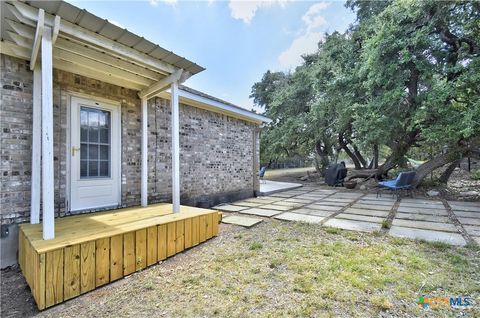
403 182
261 173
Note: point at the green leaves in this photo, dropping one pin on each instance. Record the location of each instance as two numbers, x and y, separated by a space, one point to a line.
407 73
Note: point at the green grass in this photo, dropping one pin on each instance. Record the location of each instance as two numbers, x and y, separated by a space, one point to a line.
293 270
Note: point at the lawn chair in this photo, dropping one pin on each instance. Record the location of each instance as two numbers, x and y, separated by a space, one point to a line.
261 174
403 182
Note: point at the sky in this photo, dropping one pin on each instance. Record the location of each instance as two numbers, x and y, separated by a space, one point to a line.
236 41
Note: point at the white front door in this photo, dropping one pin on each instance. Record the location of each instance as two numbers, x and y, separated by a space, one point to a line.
95 155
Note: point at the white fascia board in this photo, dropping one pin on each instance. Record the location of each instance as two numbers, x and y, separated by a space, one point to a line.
224 108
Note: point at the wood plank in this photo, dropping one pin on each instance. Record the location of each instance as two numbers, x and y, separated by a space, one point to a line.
34 288
71 286
188 233
41 281
21 250
87 266
140 249
209 219
215 221
128 253
171 235
151 245
180 236
54 278
106 224
102 261
202 228
195 230
162 242
116 257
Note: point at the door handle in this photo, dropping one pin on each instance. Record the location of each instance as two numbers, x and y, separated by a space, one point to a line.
74 149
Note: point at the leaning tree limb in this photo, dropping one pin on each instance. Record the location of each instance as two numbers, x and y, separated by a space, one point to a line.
445 176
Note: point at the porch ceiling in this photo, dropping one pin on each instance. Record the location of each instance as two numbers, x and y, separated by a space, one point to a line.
88 45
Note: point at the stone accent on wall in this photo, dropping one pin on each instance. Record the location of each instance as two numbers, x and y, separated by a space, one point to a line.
217 151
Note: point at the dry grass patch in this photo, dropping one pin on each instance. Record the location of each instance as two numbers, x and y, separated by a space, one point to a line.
291 269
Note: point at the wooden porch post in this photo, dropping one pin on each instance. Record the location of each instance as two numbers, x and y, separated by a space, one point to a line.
175 148
144 179
36 144
47 137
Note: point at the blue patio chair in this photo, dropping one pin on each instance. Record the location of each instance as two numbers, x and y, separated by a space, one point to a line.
261 173
403 182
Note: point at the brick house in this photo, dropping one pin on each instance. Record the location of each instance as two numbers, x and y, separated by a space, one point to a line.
94 117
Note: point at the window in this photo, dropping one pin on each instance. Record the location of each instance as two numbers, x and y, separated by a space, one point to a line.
95 144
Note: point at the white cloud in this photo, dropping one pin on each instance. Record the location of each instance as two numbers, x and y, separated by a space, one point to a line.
118 24
246 9
155 2
305 43
307 40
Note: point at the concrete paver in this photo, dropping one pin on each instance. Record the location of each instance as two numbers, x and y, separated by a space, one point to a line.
444 227
427 235
289 216
376 213
359 217
353 225
241 220
229 208
261 212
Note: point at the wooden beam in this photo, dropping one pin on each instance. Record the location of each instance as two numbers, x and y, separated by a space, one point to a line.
21 29
56 29
113 47
92 53
38 38
36 145
101 67
88 72
161 85
48 205
144 178
20 40
175 148
9 48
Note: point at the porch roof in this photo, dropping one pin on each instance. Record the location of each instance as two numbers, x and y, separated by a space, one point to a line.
89 45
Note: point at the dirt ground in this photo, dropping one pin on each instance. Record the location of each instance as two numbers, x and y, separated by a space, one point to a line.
279 269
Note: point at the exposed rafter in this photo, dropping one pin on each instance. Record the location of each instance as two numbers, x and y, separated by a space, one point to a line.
28 15
179 76
38 38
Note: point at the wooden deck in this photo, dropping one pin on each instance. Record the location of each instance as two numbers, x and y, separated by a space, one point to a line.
94 249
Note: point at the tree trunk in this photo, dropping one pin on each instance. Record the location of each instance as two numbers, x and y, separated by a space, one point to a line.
448 172
428 167
358 154
375 156
343 145
323 153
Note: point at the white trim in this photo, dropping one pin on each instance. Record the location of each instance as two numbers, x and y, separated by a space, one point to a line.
216 106
48 191
144 177
175 148
36 145
159 86
115 48
56 28
38 38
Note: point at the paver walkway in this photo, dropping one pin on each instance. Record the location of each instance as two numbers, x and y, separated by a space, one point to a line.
452 222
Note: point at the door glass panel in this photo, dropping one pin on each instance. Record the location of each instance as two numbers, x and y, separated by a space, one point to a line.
95 144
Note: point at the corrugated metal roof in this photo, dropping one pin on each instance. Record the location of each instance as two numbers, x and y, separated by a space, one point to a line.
109 30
